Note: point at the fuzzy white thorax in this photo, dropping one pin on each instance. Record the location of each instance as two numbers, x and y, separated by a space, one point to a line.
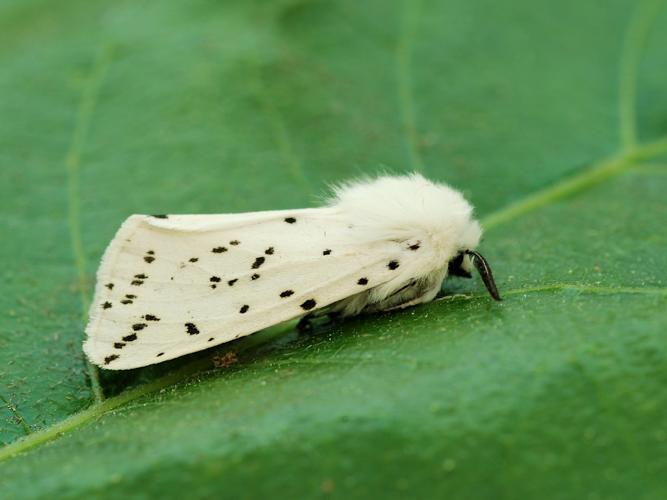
408 209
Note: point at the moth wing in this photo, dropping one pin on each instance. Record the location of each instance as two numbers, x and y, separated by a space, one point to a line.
172 286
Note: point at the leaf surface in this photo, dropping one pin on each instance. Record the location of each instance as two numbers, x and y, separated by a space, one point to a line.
551 117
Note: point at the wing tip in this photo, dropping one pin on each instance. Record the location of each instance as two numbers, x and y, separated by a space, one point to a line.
108 360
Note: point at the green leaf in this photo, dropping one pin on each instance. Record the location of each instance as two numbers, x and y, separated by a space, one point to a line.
550 116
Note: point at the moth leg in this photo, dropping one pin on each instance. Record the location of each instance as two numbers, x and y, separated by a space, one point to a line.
307 323
408 303
410 295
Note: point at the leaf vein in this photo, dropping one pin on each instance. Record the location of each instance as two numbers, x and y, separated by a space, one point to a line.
409 20
589 177
86 108
282 135
18 417
633 44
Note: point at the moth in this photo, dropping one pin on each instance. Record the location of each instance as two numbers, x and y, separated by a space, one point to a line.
170 285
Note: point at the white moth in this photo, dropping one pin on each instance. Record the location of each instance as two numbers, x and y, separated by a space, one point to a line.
172 285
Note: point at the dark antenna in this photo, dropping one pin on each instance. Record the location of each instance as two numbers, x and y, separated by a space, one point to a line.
485 272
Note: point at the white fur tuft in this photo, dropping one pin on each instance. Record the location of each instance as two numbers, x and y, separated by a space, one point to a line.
409 208
393 208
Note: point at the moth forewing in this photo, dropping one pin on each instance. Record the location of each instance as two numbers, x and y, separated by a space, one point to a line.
166 291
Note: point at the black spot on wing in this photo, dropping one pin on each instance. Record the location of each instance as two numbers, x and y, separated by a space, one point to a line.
111 358
327 252
139 326
269 251
415 246
308 304
137 282
191 328
290 220
235 242
159 354
130 338
149 258
214 280
126 301
258 262
254 276
393 265
362 281
130 296
211 339
109 286
118 345
286 293
244 308
151 317
219 250
193 259
150 252
160 216
231 282
141 276
106 305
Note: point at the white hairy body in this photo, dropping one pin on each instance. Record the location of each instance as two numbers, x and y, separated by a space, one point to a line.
172 285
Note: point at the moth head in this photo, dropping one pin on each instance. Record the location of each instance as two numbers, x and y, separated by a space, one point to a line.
465 257
461 265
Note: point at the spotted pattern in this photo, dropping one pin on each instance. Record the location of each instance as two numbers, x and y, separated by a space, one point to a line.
111 358
191 328
308 304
